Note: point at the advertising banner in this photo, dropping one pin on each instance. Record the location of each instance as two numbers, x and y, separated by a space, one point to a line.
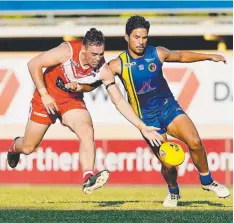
129 162
16 89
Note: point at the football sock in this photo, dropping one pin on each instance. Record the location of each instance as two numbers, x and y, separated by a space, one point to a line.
206 178
174 190
13 148
87 174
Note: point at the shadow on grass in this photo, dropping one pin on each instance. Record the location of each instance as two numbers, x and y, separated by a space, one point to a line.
200 203
99 203
196 203
100 216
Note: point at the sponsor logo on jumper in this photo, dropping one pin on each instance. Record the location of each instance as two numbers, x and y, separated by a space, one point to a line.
152 67
141 67
130 64
73 63
146 87
149 59
40 114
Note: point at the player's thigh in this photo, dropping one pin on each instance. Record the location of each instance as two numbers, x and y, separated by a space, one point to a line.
34 133
79 121
183 129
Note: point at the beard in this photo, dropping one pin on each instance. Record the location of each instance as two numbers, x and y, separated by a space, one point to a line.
139 53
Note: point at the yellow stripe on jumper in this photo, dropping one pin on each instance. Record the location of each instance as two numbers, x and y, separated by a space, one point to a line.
129 85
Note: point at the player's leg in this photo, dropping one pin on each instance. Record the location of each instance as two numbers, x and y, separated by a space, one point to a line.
183 129
79 121
179 125
33 135
169 174
37 125
168 109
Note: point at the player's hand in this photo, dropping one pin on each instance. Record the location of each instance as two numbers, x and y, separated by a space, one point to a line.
152 135
74 86
49 103
218 58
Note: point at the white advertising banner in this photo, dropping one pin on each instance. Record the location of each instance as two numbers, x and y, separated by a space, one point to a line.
16 88
203 89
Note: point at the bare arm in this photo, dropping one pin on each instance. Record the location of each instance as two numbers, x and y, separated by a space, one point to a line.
115 66
49 58
76 87
107 76
118 99
186 56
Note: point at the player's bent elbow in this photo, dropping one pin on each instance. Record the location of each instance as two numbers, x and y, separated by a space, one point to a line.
31 65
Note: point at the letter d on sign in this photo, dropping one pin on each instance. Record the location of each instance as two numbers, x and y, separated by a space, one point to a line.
221 91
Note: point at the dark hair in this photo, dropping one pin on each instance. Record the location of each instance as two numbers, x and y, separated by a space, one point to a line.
94 37
136 22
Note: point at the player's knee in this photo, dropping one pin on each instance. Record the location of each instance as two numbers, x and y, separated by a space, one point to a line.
195 143
28 149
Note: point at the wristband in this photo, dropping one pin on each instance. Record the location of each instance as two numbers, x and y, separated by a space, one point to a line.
108 85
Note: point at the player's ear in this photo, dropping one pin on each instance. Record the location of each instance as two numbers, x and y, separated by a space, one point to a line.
83 49
126 37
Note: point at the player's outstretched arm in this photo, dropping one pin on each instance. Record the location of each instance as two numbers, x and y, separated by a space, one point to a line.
186 56
125 109
76 87
49 58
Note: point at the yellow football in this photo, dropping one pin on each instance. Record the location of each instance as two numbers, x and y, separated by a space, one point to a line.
171 153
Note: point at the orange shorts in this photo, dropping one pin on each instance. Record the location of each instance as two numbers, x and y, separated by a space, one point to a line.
39 114
65 101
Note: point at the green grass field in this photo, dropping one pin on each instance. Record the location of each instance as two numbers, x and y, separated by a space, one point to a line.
110 204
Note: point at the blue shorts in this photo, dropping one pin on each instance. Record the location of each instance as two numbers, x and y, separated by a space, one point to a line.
162 113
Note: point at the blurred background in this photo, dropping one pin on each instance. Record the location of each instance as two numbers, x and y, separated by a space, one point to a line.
203 89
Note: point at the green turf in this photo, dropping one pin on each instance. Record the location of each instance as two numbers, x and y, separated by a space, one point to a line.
110 204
